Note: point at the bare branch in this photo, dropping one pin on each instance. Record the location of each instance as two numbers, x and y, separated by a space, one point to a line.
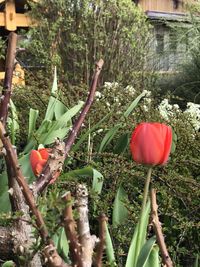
46 175
158 230
101 244
71 233
10 57
86 240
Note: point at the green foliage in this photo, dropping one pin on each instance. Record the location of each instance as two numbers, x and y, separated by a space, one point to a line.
138 240
61 244
56 124
9 264
2 49
74 34
120 212
110 253
145 252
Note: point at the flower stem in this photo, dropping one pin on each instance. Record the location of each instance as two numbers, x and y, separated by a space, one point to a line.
140 223
146 189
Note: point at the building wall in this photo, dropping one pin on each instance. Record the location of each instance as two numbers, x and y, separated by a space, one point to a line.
168 48
164 5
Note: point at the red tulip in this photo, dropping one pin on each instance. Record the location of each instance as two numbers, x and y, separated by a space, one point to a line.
38 159
151 143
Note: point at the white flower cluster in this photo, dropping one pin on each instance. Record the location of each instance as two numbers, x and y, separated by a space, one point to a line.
130 89
147 100
167 110
193 111
110 85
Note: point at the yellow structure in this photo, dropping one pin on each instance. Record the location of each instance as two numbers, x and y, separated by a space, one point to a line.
10 20
168 6
18 75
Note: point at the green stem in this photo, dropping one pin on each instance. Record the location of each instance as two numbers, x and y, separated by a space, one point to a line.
146 190
144 202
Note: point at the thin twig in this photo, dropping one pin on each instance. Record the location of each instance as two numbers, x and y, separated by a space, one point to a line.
101 244
46 175
158 230
71 233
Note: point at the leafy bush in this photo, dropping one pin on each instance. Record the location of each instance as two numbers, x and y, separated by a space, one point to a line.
74 34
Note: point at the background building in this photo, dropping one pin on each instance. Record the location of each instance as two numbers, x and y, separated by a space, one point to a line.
171 32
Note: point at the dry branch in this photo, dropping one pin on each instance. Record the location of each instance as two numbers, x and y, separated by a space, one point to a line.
86 240
102 237
6 93
46 175
71 233
158 230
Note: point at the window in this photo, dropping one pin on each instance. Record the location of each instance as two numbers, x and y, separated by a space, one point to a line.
159 43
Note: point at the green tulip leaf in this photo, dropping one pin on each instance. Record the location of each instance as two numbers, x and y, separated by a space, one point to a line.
13 124
97 182
63 245
110 253
174 141
122 144
50 130
97 177
153 259
120 212
144 219
145 252
133 105
108 137
54 88
59 110
33 114
196 264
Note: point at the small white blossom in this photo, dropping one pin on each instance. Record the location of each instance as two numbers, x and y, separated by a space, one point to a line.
116 99
107 104
148 93
100 130
98 94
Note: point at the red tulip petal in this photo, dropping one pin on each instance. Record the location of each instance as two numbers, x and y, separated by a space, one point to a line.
39 167
35 157
44 152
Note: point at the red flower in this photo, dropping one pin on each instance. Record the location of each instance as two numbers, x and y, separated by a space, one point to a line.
151 143
38 159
